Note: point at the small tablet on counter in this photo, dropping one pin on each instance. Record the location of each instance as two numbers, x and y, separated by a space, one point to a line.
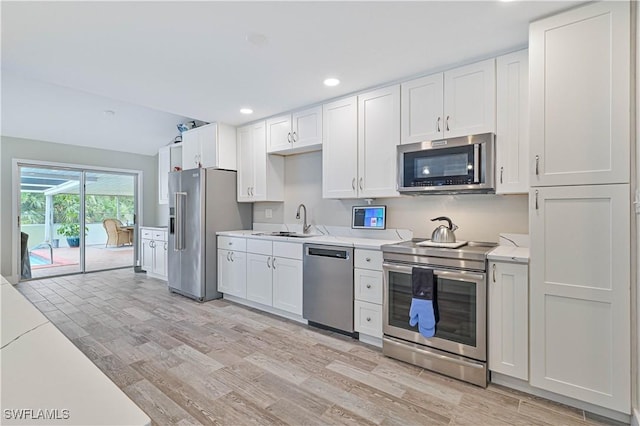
369 217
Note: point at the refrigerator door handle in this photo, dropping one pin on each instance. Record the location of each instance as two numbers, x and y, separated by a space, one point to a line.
181 199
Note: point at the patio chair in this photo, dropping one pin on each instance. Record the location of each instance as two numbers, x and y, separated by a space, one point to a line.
116 234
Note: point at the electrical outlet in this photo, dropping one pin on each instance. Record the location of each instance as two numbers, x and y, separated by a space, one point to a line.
268 213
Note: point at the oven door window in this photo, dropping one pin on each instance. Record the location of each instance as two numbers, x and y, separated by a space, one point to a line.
457 304
439 166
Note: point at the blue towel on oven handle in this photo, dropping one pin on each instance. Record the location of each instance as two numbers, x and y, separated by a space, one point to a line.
421 314
424 304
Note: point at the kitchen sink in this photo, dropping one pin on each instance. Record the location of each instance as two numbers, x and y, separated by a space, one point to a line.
285 234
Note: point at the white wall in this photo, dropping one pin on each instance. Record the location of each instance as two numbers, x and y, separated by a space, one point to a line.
27 149
480 217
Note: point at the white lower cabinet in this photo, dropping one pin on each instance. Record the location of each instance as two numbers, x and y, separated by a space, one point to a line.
232 272
368 318
509 319
580 293
273 273
287 284
259 278
367 277
153 251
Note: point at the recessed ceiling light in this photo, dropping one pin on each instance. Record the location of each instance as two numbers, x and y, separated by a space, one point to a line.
246 111
331 82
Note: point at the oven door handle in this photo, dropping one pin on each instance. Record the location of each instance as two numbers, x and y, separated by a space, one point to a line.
439 272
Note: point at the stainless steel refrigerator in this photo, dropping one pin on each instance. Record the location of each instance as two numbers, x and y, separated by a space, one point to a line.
201 203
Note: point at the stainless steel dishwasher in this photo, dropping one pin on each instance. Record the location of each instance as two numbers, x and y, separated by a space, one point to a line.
327 290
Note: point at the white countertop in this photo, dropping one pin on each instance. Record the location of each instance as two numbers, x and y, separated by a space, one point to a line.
43 370
509 254
349 241
513 248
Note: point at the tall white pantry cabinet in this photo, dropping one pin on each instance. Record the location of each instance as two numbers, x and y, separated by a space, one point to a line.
580 209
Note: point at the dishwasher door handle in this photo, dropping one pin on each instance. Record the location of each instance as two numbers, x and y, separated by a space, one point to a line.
323 252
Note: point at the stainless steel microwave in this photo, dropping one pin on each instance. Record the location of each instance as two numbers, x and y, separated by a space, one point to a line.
448 166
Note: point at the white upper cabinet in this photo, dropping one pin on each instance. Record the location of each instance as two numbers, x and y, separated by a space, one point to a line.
169 159
422 102
260 176
580 314
580 96
359 150
459 102
470 99
294 133
340 149
279 133
512 127
246 167
378 136
212 145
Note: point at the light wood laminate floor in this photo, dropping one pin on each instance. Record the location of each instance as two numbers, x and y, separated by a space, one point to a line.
185 362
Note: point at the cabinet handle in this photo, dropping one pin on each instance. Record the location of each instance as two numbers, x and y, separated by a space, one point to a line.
232 257
537 165
151 244
501 172
361 185
294 137
248 191
353 184
368 319
446 123
165 246
494 272
368 285
252 191
438 124
268 262
273 263
228 257
289 137
536 199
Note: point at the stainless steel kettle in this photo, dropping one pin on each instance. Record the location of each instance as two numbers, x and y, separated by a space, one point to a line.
443 234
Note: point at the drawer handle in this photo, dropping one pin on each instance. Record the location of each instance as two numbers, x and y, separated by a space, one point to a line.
368 259
230 243
368 285
368 319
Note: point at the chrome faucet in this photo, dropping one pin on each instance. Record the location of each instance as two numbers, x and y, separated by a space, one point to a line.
305 227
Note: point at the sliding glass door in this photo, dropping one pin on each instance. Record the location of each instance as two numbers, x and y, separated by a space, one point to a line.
49 222
75 220
109 202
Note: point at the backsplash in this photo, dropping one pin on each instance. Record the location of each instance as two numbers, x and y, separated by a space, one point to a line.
479 217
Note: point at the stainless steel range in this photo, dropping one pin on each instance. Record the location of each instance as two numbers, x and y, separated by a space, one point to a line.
459 347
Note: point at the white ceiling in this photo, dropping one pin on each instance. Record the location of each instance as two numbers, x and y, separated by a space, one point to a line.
156 63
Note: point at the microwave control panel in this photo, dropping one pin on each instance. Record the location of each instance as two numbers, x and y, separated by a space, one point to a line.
442 182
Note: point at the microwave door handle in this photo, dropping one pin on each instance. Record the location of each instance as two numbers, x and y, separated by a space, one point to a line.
476 163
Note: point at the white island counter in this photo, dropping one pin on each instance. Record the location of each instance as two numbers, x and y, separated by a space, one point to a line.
46 380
